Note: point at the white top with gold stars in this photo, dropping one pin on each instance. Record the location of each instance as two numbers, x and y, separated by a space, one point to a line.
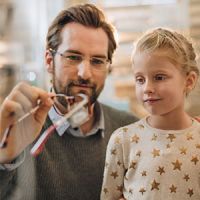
144 163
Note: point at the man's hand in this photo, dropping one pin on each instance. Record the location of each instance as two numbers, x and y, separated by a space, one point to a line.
20 101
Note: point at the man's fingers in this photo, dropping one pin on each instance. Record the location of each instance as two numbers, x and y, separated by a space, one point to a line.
43 109
42 94
22 100
11 110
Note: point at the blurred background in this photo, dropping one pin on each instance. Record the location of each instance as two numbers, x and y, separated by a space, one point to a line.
24 24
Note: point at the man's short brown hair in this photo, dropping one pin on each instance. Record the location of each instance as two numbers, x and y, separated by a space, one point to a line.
87 15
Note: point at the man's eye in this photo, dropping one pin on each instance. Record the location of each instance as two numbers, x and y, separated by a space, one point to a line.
97 61
160 77
74 58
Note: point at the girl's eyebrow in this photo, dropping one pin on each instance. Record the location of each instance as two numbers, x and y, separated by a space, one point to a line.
137 73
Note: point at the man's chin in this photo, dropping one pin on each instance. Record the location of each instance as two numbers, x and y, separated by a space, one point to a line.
88 94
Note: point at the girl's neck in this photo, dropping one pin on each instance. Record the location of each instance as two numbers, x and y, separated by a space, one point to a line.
169 122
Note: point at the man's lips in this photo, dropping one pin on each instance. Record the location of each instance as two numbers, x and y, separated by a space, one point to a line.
83 85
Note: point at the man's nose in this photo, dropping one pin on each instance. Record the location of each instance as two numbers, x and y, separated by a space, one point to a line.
85 70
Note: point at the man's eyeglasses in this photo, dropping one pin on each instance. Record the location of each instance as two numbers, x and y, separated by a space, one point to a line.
73 60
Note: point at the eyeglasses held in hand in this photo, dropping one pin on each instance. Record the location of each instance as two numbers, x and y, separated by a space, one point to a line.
39 145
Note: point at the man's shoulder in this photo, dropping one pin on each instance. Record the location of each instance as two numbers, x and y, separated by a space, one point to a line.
110 112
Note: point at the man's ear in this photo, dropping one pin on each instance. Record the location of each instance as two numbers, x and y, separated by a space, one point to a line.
191 80
49 61
110 68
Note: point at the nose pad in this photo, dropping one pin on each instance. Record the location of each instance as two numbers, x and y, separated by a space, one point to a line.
84 70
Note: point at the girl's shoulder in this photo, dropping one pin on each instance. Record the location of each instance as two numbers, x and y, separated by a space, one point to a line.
133 127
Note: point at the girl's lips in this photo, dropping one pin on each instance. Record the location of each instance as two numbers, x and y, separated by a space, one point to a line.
151 100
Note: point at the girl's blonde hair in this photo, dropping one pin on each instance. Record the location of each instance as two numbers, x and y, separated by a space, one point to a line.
179 48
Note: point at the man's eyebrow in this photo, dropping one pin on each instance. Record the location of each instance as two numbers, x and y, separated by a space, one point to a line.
72 51
79 53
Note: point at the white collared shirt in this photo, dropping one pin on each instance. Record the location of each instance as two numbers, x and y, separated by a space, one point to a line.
99 124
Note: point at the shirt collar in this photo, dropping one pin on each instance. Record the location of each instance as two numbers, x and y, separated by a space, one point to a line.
99 123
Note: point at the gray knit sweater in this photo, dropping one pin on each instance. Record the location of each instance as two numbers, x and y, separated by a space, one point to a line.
69 168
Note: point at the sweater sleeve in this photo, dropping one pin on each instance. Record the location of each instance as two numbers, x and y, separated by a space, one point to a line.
114 171
14 164
8 174
7 179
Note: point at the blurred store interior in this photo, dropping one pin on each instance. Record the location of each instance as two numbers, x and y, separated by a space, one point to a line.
23 27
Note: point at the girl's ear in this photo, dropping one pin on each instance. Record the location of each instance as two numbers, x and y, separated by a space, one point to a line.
191 80
49 61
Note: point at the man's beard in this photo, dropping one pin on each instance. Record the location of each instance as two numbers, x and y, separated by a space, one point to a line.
93 94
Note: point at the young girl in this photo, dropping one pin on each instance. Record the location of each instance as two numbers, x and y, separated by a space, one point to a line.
158 158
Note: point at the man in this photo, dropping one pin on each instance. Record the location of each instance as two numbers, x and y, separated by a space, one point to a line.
80 45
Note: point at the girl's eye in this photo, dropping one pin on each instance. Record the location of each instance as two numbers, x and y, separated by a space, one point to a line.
139 80
160 77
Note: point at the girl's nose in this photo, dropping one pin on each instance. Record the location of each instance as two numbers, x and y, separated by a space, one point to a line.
149 87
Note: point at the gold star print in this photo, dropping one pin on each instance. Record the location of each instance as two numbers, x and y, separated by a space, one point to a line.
186 177
144 173
138 153
154 137
125 129
183 150
155 152
173 189
177 165
190 192
142 190
114 174
171 137
120 188
130 191
168 146
189 136
135 139
194 159
105 190
113 151
154 185
140 126
117 140
197 146
119 163
161 170
133 165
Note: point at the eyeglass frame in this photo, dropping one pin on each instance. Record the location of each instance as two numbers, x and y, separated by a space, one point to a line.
77 62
